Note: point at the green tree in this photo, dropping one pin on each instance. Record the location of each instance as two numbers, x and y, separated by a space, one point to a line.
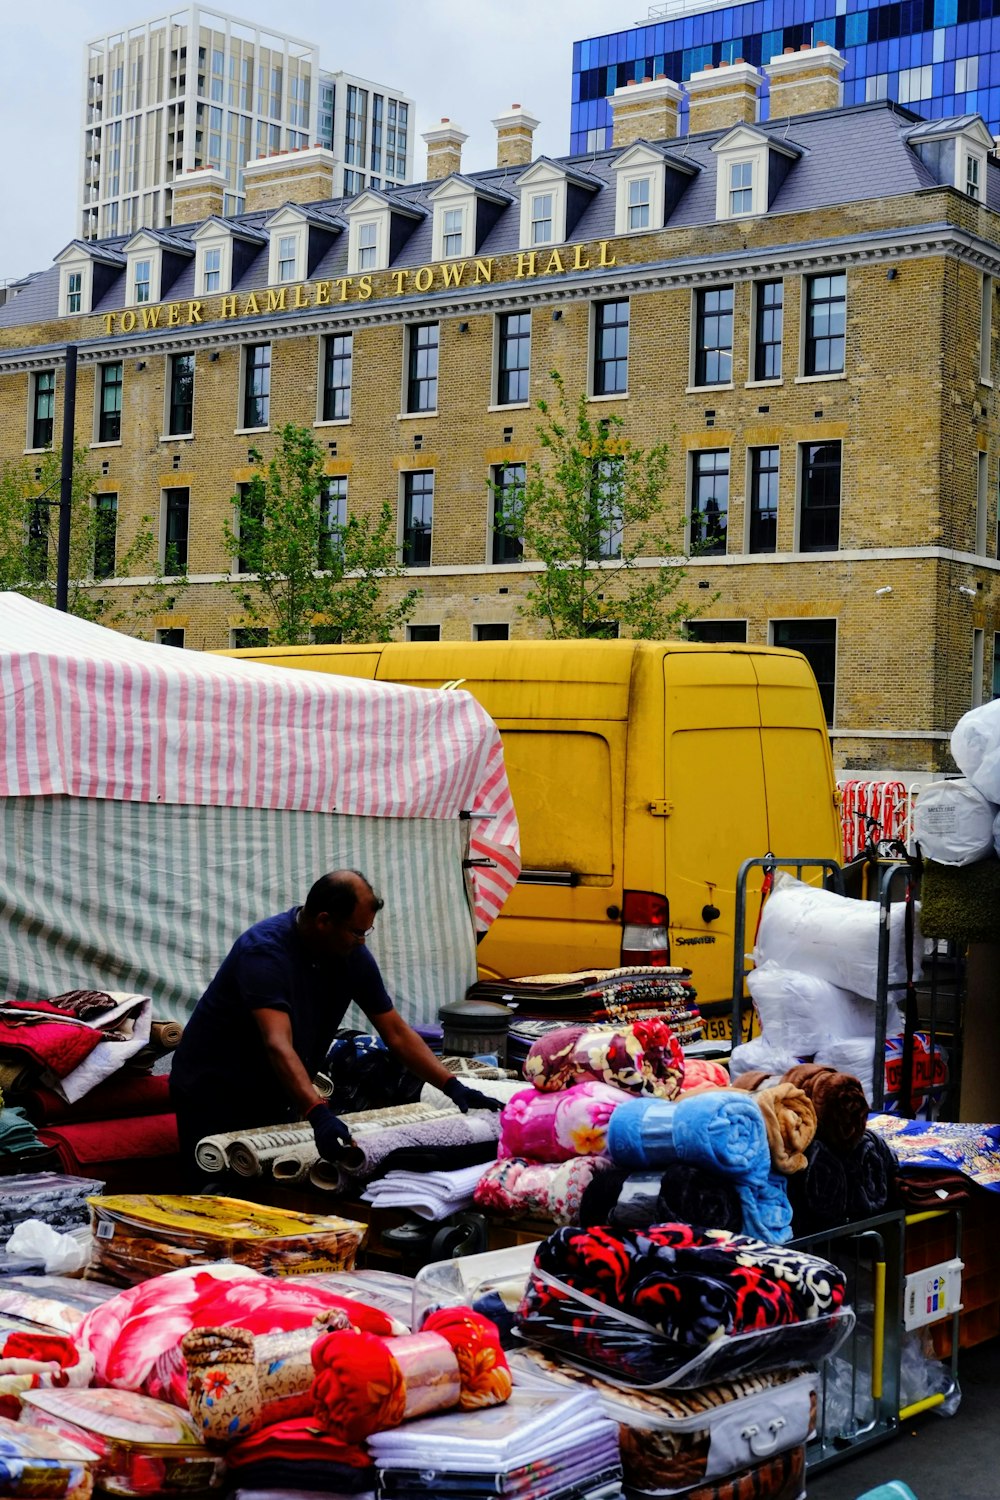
588 509
29 531
305 564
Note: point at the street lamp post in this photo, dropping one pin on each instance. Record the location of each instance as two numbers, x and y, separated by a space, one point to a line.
66 481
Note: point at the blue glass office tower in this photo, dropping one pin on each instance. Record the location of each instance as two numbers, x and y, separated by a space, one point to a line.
940 57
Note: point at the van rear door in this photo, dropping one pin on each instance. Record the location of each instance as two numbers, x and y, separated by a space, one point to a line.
802 814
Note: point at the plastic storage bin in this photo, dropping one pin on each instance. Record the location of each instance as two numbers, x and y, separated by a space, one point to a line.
136 1236
474 1279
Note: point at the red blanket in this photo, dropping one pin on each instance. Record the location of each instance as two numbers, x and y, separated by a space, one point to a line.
128 1155
58 1045
122 1096
297 1439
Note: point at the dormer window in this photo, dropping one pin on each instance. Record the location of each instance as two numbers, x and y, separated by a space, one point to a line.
86 273
223 254
464 214
74 292
287 254
142 277
639 190
541 218
453 235
367 247
955 152
740 188
211 276
972 168
288 242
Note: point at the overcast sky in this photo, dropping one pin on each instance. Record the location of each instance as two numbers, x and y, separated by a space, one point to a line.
468 62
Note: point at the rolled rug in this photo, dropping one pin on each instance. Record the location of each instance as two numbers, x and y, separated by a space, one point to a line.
722 1130
791 1124
839 1101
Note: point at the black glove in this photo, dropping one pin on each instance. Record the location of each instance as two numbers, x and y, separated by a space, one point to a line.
331 1134
459 1093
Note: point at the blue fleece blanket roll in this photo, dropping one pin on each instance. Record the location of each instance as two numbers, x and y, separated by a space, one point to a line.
723 1130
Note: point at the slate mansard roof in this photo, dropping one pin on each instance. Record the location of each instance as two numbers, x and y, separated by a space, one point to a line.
862 153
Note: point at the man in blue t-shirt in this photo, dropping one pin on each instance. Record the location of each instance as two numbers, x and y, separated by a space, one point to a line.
263 1027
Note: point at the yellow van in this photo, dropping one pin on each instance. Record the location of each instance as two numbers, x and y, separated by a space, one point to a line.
643 774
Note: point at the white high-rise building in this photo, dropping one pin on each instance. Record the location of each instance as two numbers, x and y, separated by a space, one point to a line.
200 88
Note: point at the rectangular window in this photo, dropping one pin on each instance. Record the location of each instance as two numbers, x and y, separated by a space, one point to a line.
986 332
181 413
491 632
367 245
709 500
142 280
541 219
607 477
422 368
332 520
249 637
825 323
38 542
978 646
418 517
249 520
507 487
287 247
982 500
513 358
338 362
611 348
717 632
170 636
43 403
257 386
972 176
817 641
819 518
74 292
763 500
639 197
213 270
109 415
768 328
326 635
105 535
740 188
423 632
452 239
713 349
176 506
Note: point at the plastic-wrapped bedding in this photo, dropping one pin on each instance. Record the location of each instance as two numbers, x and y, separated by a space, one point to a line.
975 746
832 937
953 822
798 1012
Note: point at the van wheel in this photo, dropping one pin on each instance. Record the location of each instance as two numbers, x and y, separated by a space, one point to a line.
464 1234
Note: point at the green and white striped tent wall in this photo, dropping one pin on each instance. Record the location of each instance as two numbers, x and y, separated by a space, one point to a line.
155 802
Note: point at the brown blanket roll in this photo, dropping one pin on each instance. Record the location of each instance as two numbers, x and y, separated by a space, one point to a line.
839 1101
791 1125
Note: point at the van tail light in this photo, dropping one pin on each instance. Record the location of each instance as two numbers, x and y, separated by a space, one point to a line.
645 929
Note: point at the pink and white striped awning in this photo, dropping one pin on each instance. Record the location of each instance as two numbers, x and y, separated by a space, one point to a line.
88 712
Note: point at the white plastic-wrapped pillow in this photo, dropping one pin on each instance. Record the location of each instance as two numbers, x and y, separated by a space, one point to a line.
975 744
799 1011
854 1055
832 937
953 823
757 1055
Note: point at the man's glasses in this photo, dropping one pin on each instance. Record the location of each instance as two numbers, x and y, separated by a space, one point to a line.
361 933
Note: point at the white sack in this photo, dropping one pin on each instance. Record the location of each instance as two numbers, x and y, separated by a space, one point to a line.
855 1055
953 823
975 745
757 1055
799 1011
831 937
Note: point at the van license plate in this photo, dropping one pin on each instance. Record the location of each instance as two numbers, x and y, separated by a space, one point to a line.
720 1028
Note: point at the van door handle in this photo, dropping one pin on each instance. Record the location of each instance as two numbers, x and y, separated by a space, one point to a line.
661 808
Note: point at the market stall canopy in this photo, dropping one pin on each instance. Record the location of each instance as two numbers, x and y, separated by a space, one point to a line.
155 802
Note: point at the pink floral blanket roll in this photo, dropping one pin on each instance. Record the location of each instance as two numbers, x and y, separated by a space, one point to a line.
643 1057
557 1127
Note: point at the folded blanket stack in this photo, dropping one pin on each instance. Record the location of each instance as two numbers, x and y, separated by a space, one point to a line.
593 996
677 1305
431 1195
58 1200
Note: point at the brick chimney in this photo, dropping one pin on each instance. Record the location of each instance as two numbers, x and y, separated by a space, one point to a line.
723 96
515 137
304 176
198 195
444 150
644 111
805 81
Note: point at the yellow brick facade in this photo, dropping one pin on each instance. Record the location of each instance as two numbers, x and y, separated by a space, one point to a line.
910 411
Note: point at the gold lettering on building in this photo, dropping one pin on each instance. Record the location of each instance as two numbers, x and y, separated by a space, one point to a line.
109 321
453 275
151 317
174 315
554 263
276 299
581 260
250 304
526 264
424 279
605 260
229 306
128 321
343 282
302 297
364 288
484 271
194 312
323 289
400 278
